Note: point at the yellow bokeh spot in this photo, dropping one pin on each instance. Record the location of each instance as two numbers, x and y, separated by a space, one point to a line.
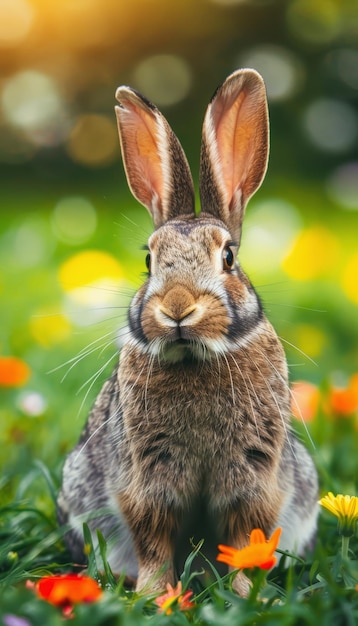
310 340
350 279
49 328
89 267
313 254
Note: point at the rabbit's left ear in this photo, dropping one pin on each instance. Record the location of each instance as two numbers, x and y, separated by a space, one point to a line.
156 166
235 146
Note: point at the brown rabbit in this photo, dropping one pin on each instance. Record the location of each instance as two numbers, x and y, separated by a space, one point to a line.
191 435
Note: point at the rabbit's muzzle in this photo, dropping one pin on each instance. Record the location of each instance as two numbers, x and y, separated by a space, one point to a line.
182 321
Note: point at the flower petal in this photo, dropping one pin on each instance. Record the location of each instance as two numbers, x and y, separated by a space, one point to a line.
67 589
259 552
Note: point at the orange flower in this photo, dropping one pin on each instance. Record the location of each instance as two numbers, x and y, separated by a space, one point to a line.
14 372
259 552
305 399
65 590
173 596
344 400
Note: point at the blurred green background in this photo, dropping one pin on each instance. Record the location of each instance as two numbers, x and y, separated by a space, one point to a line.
71 234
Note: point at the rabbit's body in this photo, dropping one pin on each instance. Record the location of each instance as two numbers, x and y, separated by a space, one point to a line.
191 435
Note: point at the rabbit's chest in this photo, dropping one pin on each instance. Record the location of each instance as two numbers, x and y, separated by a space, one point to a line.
195 415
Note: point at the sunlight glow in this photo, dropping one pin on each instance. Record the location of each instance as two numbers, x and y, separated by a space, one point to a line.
16 20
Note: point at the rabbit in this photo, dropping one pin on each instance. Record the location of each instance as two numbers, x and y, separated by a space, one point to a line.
191 436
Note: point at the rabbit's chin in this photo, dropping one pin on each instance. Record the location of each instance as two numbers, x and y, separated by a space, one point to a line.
183 350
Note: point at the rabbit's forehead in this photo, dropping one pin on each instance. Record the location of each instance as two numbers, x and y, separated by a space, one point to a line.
183 237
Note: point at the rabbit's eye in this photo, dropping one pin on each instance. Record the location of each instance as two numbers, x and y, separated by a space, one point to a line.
228 258
147 262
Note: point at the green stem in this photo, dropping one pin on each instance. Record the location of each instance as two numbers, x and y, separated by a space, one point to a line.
345 546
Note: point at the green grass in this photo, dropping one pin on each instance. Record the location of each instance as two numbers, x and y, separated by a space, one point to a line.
322 588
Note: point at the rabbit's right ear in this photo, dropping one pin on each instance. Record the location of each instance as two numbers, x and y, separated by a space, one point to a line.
234 150
157 170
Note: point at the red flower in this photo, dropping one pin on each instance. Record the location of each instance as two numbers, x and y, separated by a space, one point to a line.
174 596
65 590
259 552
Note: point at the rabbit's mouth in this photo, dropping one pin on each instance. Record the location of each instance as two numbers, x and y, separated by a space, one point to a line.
182 342
180 349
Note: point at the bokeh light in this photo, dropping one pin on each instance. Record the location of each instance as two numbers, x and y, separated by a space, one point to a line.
309 339
313 254
344 64
281 70
16 20
270 228
93 141
331 125
89 267
164 78
32 403
31 102
74 220
91 280
31 244
49 327
342 186
350 278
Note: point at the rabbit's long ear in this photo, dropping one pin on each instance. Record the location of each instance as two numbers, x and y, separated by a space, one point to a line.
235 147
155 164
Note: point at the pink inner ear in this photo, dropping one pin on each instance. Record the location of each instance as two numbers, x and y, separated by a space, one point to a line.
141 154
234 133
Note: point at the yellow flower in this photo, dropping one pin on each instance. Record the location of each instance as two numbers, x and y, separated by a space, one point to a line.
259 552
343 507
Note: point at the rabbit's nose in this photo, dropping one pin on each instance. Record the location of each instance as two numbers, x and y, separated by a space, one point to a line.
178 303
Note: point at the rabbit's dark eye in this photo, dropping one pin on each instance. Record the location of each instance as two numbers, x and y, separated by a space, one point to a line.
228 258
147 262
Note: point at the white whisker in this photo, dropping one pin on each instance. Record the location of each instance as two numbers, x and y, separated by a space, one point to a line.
231 380
253 413
291 396
93 380
298 350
